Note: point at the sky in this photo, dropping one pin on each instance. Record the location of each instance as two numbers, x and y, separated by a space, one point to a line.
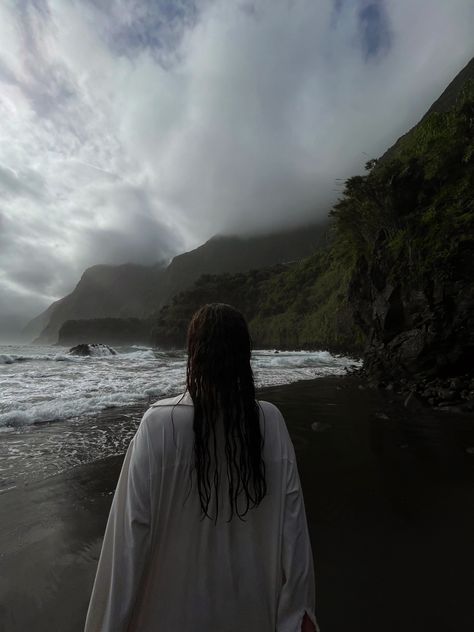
132 130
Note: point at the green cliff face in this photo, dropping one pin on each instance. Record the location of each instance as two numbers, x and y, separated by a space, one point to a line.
397 276
299 306
410 224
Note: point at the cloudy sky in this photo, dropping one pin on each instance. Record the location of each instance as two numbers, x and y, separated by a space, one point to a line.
131 130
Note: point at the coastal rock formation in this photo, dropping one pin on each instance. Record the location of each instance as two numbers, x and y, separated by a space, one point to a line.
412 285
421 328
94 349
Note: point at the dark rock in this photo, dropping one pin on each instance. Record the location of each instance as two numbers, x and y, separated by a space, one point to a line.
456 383
451 409
91 350
413 401
445 394
417 327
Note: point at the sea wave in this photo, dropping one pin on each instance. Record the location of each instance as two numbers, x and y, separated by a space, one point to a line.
145 354
54 385
57 410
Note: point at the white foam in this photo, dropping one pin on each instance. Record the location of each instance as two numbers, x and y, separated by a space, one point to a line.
40 384
101 350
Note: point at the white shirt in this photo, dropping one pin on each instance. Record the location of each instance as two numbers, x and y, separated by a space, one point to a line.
163 569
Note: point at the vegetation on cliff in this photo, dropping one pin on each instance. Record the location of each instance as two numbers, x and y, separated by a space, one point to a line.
397 273
409 225
301 305
420 202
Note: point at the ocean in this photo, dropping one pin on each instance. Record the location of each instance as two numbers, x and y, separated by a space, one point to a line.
58 410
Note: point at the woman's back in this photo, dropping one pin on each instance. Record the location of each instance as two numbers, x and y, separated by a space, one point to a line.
207 531
201 575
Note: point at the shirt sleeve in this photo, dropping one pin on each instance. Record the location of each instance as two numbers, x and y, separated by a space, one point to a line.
126 543
297 594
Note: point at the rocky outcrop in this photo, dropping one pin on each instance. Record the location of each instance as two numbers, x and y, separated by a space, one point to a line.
420 334
94 349
423 328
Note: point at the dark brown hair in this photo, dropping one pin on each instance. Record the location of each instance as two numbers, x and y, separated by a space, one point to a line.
221 384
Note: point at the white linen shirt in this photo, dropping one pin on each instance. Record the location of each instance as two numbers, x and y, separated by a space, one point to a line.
163 569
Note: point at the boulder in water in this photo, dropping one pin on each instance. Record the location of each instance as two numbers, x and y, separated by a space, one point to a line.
94 349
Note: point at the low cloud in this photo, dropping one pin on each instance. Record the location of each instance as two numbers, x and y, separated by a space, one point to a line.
132 130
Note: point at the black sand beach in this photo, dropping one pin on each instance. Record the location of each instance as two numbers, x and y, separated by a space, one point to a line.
390 504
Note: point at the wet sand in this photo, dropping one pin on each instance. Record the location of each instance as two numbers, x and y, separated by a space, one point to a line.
390 503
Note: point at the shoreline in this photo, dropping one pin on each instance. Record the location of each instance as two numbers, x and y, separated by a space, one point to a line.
386 490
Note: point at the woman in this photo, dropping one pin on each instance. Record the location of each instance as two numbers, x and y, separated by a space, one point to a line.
207 531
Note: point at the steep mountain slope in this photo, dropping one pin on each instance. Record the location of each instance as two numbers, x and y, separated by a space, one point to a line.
445 102
412 289
103 291
137 291
228 254
399 271
35 326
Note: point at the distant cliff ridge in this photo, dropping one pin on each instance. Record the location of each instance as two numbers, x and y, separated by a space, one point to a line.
125 291
135 291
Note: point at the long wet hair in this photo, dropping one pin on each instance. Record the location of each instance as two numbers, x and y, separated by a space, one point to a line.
220 382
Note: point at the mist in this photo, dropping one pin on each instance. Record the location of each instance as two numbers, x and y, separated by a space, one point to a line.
132 131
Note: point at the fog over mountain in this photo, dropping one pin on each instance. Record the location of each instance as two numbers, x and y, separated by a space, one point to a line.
132 130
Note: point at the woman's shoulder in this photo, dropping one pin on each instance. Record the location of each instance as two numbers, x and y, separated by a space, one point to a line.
274 422
268 408
164 410
184 399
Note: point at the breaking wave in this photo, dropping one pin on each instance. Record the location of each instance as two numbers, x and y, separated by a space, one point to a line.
43 384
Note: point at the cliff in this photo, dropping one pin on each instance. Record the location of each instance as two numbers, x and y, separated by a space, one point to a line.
395 280
103 291
137 291
412 289
299 306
